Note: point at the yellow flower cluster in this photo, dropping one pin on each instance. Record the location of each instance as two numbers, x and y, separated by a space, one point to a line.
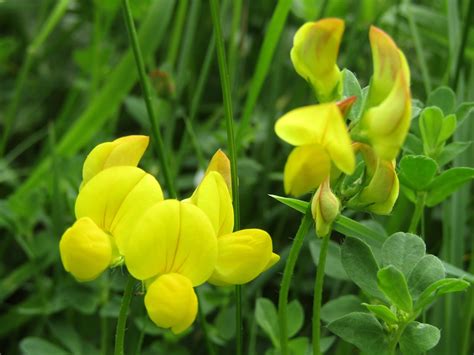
324 148
170 245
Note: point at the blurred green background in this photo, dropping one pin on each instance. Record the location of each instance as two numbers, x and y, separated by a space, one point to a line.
68 81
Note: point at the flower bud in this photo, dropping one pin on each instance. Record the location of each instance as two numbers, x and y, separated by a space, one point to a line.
314 55
242 256
122 151
325 207
86 250
381 184
171 302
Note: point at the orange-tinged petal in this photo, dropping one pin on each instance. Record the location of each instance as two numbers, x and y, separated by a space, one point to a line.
307 166
122 151
172 237
171 302
86 250
242 256
213 197
314 55
116 197
382 191
387 64
221 164
387 124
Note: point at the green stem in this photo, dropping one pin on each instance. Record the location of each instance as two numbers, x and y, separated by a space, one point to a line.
462 47
286 280
49 25
122 319
155 131
177 33
420 54
318 295
227 97
419 209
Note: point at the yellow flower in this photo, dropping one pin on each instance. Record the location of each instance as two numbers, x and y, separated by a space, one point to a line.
387 119
173 248
171 302
86 250
122 151
221 164
109 205
325 207
382 187
314 55
321 137
242 255
213 197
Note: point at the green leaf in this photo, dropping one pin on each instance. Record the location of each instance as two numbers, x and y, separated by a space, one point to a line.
413 144
418 338
39 346
449 126
267 319
300 206
225 323
339 307
298 346
464 110
334 266
439 288
428 270
403 250
360 265
383 312
443 97
351 87
446 183
393 284
363 330
431 124
65 333
451 151
417 171
295 317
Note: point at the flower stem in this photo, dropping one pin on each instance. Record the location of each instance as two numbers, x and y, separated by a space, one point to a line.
202 320
122 319
155 131
419 209
286 280
318 295
227 98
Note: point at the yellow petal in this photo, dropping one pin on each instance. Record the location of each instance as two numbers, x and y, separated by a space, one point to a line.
86 250
325 207
122 151
382 191
319 124
172 237
213 197
314 55
242 256
387 124
273 260
221 164
307 166
171 302
116 197
387 65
